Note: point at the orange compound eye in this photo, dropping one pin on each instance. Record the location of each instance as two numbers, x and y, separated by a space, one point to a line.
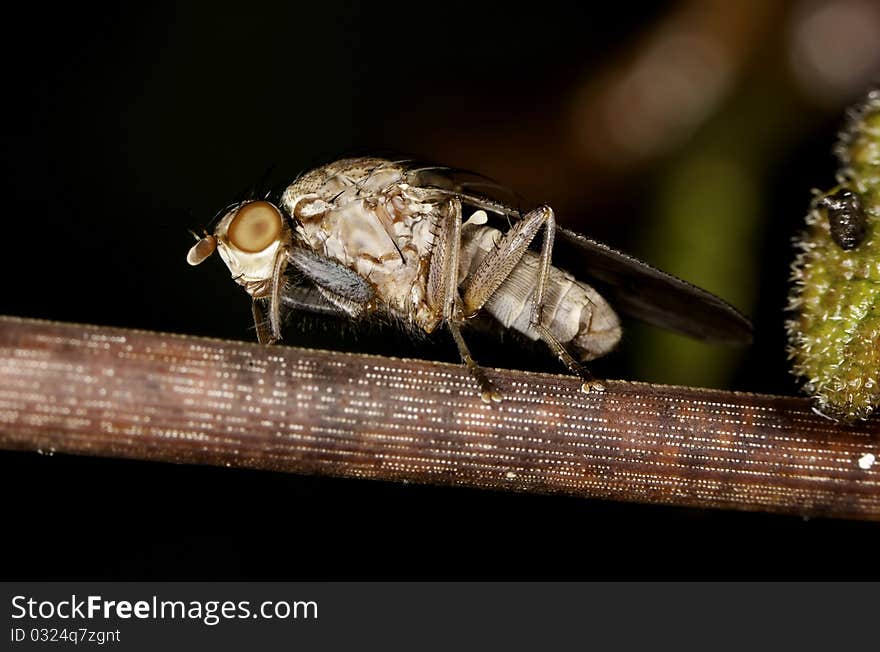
256 226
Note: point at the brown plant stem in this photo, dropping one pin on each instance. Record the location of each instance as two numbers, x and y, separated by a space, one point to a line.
113 392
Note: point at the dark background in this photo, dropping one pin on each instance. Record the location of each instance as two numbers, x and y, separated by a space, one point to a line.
127 126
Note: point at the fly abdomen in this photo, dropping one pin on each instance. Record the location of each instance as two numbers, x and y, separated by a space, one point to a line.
573 311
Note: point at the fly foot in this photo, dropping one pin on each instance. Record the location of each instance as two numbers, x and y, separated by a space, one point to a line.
488 393
590 382
592 385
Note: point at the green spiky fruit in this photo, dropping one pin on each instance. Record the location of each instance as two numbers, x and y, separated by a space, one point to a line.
834 335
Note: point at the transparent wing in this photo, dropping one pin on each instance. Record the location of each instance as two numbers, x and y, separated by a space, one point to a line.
652 295
476 189
631 285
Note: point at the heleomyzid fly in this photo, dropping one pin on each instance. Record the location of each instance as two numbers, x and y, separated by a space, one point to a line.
432 246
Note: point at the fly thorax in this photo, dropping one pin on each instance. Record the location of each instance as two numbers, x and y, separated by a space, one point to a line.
369 221
356 236
376 239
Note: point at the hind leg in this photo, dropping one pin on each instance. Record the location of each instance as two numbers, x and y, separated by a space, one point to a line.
497 266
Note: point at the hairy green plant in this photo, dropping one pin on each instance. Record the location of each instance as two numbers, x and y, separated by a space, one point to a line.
834 333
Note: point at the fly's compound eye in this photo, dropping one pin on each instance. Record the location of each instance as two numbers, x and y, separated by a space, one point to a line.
256 226
846 218
201 250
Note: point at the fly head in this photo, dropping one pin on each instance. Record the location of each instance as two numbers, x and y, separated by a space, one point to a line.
248 238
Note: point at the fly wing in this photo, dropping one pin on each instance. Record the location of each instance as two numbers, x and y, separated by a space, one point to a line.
631 285
473 188
650 294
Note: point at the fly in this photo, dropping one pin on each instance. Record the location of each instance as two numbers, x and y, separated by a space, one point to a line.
434 246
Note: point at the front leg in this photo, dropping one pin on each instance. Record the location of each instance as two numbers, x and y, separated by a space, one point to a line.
443 289
343 287
269 327
263 336
275 298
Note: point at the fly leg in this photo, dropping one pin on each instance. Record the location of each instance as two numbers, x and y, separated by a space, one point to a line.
488 393
578 369
494 269
263 336
275 291
342 287
268 327
443 290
